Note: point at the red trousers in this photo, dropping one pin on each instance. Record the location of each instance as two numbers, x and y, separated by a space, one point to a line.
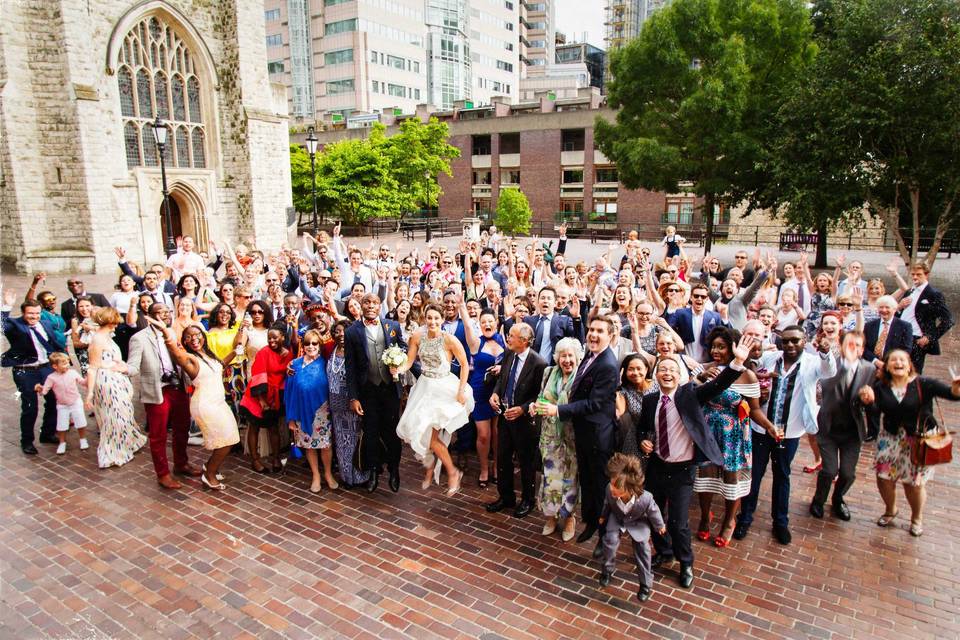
175 412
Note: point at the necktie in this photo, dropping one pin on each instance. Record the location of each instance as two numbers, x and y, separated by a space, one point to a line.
800 296
41 357
511 381
882 338
544 349
581 371
356 278
663 444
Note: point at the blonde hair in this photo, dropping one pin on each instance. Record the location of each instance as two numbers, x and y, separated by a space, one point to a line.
106 316
58 357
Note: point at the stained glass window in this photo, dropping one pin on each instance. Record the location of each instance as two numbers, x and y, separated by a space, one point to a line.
199 159
183 148
156 77
179 106
131 140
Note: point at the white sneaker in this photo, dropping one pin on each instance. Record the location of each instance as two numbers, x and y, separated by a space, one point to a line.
196 441
61 448
83 444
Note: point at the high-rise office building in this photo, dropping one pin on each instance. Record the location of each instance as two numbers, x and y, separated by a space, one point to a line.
343 56
625 18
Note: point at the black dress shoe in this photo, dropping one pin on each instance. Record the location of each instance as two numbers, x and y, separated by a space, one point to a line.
841 511
587 533
29 449
395 481
48 440
660 559
782 534
605 578
686 576
740 531
373 483
644 593
598 550
816 509
498 505
522 509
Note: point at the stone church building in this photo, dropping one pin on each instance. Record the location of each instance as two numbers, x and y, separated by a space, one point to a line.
81 81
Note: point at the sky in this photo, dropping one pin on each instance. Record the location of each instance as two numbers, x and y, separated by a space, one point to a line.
576 16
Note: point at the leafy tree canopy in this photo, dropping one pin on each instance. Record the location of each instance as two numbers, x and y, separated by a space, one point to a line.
513 212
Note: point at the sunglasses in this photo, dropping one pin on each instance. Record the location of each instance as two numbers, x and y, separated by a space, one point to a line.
673 290
311 344
256 312
241 295
70 283
699 296
844 304
791 340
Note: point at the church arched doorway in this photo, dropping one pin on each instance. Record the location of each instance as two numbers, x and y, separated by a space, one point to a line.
176 221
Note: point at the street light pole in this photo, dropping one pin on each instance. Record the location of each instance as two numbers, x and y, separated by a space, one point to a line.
312 150
160 137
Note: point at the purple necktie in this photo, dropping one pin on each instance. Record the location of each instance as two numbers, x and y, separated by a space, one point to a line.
663 445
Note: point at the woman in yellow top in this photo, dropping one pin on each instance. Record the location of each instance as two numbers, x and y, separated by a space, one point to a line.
221 338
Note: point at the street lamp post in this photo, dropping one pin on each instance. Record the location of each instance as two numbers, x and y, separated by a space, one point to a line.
160 136
312 150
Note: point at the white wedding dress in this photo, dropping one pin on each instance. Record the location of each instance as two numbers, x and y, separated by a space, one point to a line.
432 404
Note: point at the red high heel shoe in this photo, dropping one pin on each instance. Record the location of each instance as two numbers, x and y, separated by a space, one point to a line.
813 468
705 535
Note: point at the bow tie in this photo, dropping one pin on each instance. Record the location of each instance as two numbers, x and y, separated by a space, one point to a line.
371 323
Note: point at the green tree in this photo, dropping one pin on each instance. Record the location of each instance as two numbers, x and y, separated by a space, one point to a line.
300 178
356 181
697 92
513 212
419 153
876 121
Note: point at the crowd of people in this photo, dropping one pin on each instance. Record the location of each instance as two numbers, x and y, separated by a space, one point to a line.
623 386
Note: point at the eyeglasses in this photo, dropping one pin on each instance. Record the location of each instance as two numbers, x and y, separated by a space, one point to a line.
844 304
70 283
269 280
673 290
699 296
644 313
791 340
241 295
311 344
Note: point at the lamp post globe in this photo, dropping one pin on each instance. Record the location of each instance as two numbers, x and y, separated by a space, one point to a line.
312 150
160 137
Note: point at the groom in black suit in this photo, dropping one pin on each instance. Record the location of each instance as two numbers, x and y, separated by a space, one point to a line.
375 395
592 408
678 438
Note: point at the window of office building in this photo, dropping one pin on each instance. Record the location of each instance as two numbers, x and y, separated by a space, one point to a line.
510 142
341 26
373 57
572 139
275 40
330 3
679 211
480 145
275 66
482 176
338 57
572 176
396 62
338 87
604 211
510 176
606 174
504 66
571 210
272 14
396 90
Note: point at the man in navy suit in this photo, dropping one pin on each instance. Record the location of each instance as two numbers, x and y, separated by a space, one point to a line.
695 322
375 395
32 339
549 326
453 325
926 310
675 434
886 333
592 409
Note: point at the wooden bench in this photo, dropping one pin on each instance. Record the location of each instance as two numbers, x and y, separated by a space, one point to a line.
797 241
949 245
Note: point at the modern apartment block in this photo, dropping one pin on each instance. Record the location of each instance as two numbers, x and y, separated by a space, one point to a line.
547 149
625 18
374 56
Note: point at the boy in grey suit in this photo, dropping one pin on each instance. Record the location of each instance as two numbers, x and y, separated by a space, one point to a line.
628 508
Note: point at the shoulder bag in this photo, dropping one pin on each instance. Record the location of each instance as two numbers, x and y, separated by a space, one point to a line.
933 444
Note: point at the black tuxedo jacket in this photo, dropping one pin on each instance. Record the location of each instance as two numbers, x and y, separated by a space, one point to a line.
688 400
22 350
899 336
933 316
592 405
355 357
528 381
68 308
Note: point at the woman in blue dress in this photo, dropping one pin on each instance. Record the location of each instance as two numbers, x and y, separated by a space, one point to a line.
484 352
308 416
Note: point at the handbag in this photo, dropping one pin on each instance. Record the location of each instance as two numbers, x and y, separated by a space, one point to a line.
933 444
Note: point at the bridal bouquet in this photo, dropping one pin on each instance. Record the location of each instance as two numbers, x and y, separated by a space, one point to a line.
394 357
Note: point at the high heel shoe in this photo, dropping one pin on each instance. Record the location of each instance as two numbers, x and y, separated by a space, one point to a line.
704 534
219 475
216 487
453 489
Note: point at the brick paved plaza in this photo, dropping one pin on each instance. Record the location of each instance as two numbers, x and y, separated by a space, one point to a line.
108 554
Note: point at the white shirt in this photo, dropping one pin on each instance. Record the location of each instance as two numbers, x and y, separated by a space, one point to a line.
794 427
41 352
181 263
680 443
695 350
166 364
910 313
521 358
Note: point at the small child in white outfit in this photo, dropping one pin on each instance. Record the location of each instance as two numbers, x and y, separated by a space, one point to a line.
63 382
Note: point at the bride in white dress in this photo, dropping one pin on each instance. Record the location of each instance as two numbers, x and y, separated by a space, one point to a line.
439 403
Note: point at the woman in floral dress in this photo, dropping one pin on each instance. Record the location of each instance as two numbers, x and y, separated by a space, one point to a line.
110 395
346 424
728 416
558 490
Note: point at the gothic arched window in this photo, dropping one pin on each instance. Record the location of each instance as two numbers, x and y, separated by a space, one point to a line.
156 76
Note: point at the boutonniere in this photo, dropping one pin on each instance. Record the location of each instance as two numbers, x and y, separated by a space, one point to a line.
393 334
924 302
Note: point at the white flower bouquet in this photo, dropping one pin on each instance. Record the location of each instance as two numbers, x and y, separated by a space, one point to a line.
394 357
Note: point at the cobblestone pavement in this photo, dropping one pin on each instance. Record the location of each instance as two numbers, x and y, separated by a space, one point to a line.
108 554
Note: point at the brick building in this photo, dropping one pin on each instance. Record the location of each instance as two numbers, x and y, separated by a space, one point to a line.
546 148
80 84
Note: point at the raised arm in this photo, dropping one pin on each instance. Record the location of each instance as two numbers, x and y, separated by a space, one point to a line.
473 340
187 362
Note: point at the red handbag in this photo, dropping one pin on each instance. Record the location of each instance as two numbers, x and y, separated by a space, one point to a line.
933 444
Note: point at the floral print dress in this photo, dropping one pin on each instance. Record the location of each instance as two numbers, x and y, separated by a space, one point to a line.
728 416
120 435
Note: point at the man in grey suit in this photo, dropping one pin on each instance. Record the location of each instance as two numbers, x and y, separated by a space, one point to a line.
164 400
843 426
